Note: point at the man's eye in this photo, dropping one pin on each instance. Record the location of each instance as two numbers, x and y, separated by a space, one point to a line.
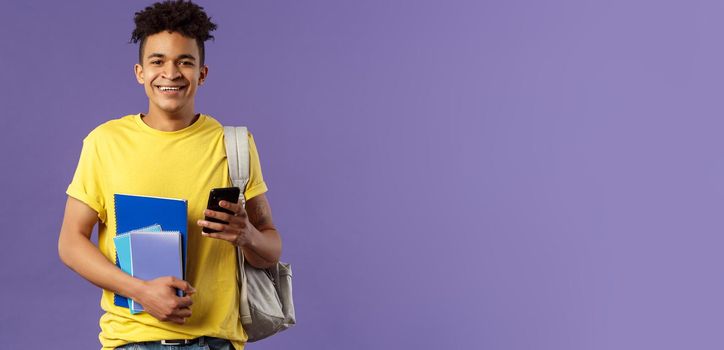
156 62
187 63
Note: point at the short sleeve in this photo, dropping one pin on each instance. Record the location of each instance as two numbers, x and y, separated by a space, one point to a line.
86 185
256 185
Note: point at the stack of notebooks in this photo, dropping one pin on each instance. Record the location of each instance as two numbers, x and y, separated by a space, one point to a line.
150 239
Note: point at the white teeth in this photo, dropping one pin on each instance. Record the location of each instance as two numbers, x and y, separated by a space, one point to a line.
169 88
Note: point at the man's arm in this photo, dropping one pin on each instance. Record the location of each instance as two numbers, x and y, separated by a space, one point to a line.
266 250
80 254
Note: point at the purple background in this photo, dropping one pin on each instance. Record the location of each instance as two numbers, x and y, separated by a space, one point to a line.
445 174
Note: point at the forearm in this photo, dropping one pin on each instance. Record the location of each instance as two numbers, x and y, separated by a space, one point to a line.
83 257
264 249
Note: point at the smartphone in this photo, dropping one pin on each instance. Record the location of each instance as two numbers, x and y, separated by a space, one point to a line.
229 194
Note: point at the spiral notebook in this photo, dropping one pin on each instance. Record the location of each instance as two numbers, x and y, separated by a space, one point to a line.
134 212
148 255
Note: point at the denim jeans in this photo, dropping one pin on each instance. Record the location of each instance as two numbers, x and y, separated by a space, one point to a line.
207 344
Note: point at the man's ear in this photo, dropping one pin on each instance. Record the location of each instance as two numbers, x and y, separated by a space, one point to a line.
203 74
138 69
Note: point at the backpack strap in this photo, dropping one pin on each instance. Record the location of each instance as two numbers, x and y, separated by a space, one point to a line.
237 154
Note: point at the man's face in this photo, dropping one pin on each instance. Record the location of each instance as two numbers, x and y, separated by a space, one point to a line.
170 72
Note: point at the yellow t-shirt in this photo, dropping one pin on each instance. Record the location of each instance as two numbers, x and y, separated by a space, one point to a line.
126 155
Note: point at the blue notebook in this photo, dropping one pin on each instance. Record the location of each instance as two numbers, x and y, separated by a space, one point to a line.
123 251
149 255
134 212
121 243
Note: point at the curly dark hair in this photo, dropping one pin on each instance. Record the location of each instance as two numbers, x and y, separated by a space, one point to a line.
184 17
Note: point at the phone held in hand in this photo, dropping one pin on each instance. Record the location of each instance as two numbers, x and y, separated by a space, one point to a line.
229 194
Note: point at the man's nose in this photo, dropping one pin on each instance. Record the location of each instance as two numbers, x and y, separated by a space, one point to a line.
171 71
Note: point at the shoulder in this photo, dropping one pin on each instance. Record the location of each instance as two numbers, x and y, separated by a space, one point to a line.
213 123
111 128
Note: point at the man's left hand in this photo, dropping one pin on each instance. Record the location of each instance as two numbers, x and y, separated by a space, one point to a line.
239 229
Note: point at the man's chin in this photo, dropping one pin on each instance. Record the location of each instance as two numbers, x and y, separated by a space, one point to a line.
171 109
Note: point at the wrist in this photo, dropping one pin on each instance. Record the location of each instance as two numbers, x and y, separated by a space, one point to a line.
135 288
252 239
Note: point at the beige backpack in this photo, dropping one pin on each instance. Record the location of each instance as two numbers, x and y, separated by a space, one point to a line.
265 295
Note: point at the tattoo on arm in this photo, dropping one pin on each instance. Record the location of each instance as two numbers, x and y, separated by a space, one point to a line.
260 214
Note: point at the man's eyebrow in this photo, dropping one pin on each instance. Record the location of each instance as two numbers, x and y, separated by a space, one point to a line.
189 56
156 55
182 56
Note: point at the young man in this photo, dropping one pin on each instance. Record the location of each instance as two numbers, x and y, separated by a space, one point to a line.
169 151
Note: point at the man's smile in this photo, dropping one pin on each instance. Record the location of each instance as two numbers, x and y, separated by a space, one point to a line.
170 89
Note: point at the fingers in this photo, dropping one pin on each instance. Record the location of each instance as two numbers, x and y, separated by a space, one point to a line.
176 320
239 218
162 300
212 225
184 302
182 285
218 215
232 227
183 312
229 237
179 319
235 207
231 232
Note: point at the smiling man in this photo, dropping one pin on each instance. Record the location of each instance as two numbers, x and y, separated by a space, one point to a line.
170 69
168 151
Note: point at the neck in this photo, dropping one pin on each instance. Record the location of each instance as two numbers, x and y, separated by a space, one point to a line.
163 121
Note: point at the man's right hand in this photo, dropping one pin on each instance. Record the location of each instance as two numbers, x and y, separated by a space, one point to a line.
159 299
